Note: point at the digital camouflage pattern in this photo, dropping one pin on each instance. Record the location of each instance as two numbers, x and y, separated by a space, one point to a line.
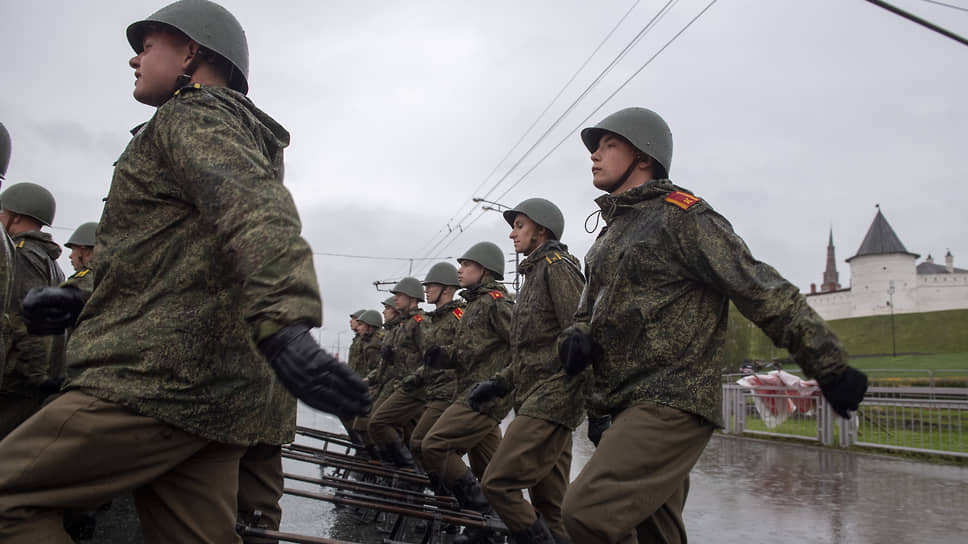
6 292
545 306
199 253
30 359
375 377
370 355
82 280
354 359
408 347
481 345
435 384
660 277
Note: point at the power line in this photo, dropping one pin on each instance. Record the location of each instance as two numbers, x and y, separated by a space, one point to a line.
370 257
625 50
609 98
497 166
915 19
935 2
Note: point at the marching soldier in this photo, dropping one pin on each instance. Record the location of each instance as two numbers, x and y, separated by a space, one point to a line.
436 386
35 364
652 324
354 360
371 339
535 453
480 348
6 255
81 244
203 282
403 349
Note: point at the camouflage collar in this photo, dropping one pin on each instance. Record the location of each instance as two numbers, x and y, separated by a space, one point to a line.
614 205
547 248
472 293
446 308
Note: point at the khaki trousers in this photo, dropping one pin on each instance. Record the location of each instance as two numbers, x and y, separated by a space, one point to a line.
395 418
634 486
460 430
431 414
535 454
260 487
79 451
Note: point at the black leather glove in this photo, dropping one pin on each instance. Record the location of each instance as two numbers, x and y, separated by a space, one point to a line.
846 392
51 310
435 357
313 375
484 392
386 350
51 385
597 427
574 350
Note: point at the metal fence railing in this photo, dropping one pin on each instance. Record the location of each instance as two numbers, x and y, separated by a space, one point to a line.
922 419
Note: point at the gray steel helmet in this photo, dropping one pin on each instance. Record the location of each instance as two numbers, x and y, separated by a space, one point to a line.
488 255
442 273
31 200
83 236
208 24
371 318
542 212
388 302
409 286
642 127
357 314
4 151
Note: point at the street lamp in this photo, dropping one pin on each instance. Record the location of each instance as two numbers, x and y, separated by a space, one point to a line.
890 293
500 209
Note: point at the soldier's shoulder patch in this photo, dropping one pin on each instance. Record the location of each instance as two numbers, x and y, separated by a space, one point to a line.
496 294
21 244
418 318
681 199
187 88
458 313
553 258
82 273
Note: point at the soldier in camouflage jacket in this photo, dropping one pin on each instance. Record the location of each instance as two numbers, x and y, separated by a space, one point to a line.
652 323
535 453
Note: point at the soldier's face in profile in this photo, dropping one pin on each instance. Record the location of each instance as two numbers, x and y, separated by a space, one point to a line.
432 292
389 313
610 161
354 324
469 274
401 301
80 256
524 234
165 57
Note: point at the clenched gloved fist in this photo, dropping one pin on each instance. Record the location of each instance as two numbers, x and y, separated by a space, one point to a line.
574 350
51 310
846 392
386 350
597 427
313 375
435 357
484 392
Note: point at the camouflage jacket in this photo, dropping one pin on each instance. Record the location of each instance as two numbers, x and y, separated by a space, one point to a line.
6 293
199 255
437 384
375 375
354 359
370 355
545 305
30 360
660 277
408 347
481 345
83 280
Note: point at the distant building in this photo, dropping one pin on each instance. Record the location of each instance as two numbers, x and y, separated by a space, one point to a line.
884 273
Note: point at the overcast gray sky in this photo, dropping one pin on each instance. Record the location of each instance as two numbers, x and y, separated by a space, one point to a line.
789 117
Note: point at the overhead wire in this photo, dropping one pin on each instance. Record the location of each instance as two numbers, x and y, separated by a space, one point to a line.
521 139
935 2
918 20
605 71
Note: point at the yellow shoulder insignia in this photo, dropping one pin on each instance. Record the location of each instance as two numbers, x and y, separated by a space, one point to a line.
21 244
82 273
681 199
458 313
192 86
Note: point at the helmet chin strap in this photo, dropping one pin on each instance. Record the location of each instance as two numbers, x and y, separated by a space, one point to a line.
186 77
628 172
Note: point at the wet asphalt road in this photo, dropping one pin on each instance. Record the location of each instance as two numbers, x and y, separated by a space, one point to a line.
752 491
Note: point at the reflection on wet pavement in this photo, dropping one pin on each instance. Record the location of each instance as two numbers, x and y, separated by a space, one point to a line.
750 491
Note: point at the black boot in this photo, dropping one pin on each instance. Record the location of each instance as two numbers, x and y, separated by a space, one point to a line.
400 455
538 533
470 496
